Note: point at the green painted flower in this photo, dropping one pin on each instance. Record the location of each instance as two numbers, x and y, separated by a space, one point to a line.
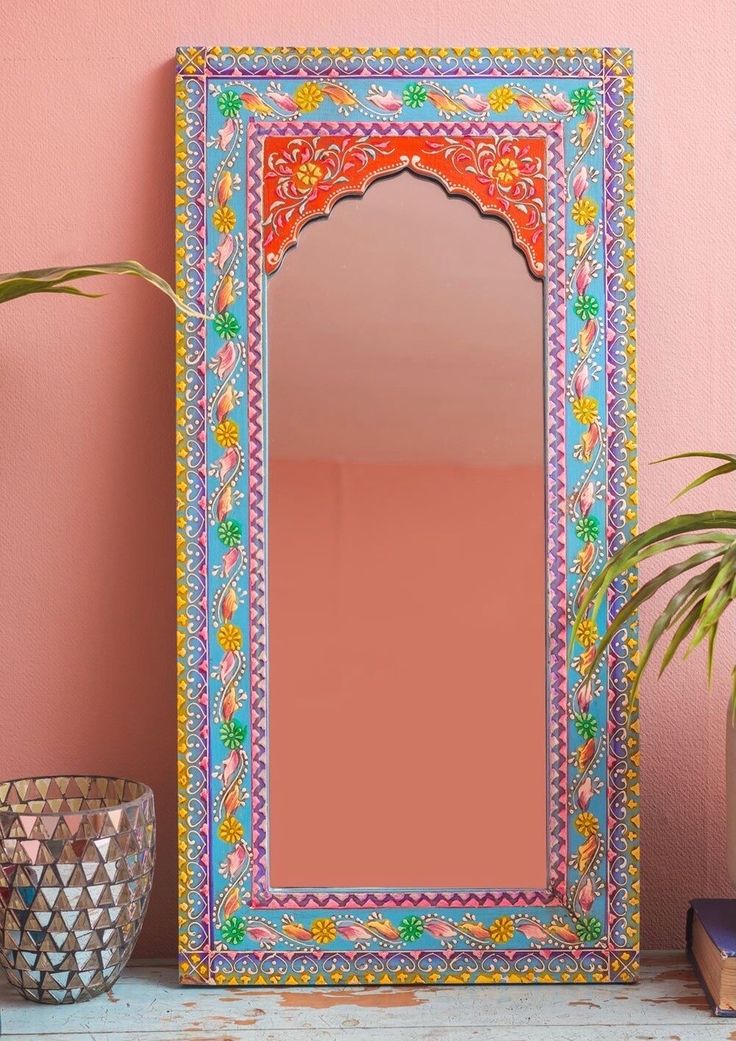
588 929
229 103
586 306
414 95
585 724
232 734
411 928
233 930
226 325
582 100
230 532
588 529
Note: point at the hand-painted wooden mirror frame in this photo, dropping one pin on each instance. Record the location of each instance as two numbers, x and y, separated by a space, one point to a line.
266 140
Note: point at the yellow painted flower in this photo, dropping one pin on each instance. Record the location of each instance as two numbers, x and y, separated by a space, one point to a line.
323 930
231 830
587 632
584 211
506 171
502 929
587 824
585 410
309 174
230 637
224 219
308 97
227 433
501 98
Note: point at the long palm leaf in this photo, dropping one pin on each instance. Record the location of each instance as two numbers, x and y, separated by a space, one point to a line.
55 279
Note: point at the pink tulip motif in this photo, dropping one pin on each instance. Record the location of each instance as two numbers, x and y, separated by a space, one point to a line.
225 359
230 559
386 100
557 102
587 498
225 403
583 277
225 134
223 252
533 932
580 182
471 101
585 793
281 100
586 895
584 695
224 502
582 382
234 861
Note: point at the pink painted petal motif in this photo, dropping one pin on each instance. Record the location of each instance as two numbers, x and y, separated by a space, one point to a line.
230 559
227 132
580 182
586 895
532 931
582 281
225 504
235 860
587 498
230 904
229 604
352 931
557 102
223 252
225 403
582 382
585 693
262 934
225 294
231 766
588 441
228 665
224 188
585 792
436 927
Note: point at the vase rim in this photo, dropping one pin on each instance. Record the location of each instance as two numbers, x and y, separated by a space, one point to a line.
14 809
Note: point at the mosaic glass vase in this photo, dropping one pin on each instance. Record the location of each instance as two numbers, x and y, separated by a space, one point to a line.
76 865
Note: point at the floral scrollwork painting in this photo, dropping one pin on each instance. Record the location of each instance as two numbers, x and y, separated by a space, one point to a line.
268 141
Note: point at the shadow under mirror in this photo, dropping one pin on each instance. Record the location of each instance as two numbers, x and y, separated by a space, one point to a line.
406 551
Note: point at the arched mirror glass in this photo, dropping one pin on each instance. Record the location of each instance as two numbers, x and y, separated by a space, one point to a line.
406 551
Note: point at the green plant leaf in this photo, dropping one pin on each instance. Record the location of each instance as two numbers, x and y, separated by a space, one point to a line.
681 633
696 455
647 591
51 280
626 559
667 616
717 471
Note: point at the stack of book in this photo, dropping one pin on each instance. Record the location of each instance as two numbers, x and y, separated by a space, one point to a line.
711 944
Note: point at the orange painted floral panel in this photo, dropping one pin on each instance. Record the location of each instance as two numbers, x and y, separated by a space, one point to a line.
304 176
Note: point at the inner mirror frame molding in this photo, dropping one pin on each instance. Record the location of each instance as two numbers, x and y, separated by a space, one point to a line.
266 140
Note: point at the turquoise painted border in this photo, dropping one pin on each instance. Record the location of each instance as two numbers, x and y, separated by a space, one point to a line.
213 951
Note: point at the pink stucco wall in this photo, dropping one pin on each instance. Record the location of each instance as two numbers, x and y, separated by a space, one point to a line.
87 419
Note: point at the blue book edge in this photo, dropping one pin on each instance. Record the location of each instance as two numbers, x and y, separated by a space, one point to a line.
718 918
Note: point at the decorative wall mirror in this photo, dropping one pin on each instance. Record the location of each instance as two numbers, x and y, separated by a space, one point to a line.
406 442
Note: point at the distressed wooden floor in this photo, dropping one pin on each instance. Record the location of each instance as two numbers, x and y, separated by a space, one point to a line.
147 1004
